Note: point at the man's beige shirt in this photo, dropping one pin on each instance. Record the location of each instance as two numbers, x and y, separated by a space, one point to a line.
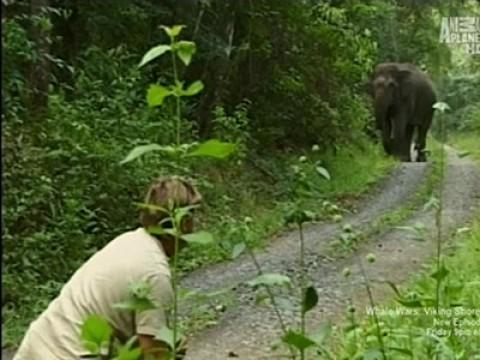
104 280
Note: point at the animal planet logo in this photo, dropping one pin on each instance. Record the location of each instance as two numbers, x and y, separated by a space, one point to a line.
462 30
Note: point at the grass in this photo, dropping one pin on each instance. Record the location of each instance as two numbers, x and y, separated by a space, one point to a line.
467 143
354 173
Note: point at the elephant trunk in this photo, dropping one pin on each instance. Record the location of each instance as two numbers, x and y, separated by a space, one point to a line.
383 116
381 112
399 125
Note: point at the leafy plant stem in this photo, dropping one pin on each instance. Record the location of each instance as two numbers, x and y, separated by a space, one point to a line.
438 216
271 296
372 304
353 322
177 98
175 293
302 283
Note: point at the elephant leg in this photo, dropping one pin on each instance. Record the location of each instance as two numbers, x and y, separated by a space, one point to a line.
421 143
386 134
387 146
406 144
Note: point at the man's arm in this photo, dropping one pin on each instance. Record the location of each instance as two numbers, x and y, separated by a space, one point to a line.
151 348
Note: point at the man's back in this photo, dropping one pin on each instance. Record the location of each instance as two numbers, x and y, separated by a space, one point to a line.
101 282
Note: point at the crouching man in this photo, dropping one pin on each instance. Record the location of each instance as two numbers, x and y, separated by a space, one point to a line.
105 280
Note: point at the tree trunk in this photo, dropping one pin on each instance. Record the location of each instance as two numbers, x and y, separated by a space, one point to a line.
40 70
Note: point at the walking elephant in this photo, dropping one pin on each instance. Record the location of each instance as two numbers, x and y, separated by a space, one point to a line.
403 98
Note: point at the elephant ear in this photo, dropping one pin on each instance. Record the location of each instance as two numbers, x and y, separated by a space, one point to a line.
367 86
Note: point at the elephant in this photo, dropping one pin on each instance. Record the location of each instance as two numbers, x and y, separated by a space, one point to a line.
403 99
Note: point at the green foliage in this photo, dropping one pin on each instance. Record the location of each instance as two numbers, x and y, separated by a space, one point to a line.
234 128
277 77
96 334
213 148
270 280
299 341
461 92
310 299
140 299
200 237
467 143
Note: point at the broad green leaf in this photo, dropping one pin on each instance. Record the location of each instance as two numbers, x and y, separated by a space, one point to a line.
173 31
185 51
140 295
193 89
153 53
156 94
373 354
141 150
214 148
441 106
299 216
152 207
402 351
166 335
160 230
440 274
410 303
270 280
199 237
126 352
135 304
462 154
323 172
95 333
181 212
310 299
237 250
129 354
297 340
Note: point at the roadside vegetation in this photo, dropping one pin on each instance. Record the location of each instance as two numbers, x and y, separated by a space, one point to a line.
282 82
410 326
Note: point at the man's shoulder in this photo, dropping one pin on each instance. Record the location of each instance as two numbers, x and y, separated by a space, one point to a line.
132 248
139 241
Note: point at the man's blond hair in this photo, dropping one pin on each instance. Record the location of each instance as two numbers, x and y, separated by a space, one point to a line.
167 189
